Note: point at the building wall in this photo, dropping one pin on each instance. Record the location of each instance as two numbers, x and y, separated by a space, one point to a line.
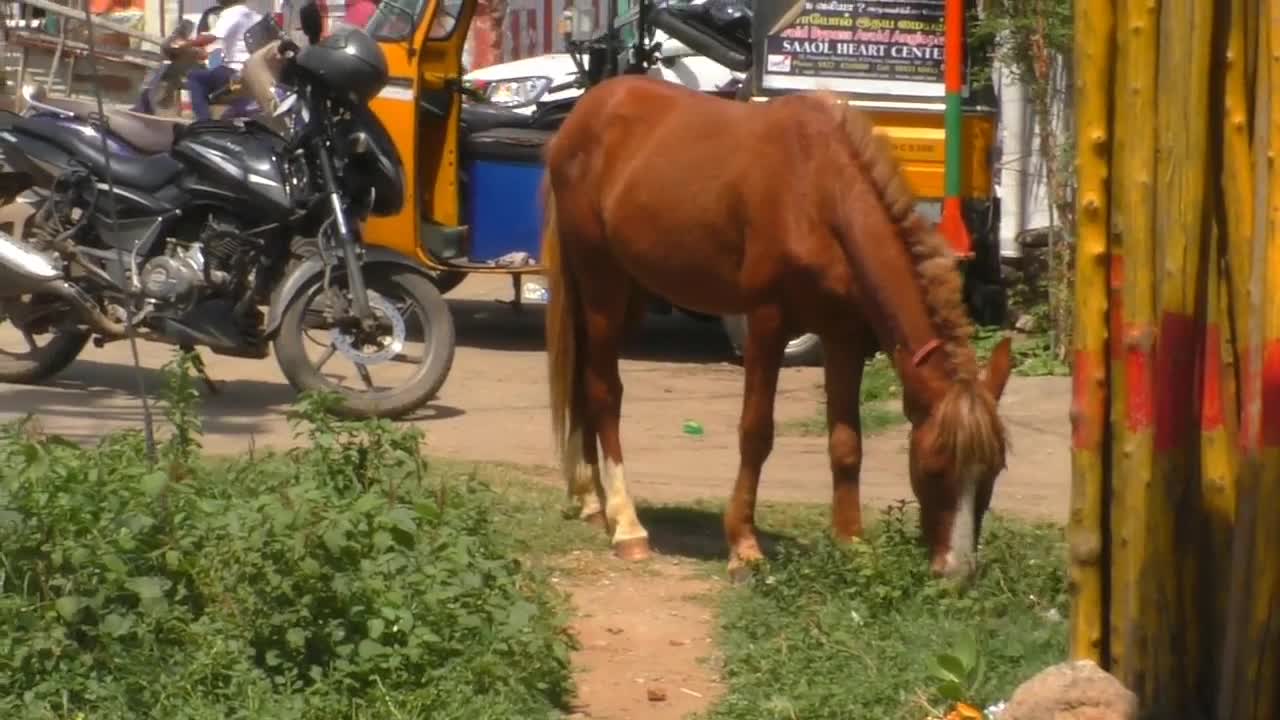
529 28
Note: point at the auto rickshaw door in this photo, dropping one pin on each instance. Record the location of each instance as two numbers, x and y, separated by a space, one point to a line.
420 108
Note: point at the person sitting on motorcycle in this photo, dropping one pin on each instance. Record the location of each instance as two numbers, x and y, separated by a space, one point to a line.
228 32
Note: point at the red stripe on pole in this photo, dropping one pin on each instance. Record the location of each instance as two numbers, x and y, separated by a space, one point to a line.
1175 375
1271 394
1211 410
1137 383
953 41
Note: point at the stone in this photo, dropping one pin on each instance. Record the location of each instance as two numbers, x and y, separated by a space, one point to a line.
1072 691
1026 323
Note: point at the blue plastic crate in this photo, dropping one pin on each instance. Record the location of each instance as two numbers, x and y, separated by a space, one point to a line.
503 200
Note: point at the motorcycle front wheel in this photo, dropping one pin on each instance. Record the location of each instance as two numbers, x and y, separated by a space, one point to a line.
320 347
32 347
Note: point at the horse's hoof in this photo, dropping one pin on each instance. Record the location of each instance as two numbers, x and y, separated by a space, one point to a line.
633 549
596 519
740 572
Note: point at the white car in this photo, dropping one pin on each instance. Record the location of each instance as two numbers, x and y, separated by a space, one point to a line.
520 84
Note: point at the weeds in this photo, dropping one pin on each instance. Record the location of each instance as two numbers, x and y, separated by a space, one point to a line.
337 581
1033 354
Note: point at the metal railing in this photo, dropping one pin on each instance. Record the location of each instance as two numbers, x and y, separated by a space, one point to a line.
30 36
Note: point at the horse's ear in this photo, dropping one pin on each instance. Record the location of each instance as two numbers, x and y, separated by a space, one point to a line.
918 393
902 361
999 367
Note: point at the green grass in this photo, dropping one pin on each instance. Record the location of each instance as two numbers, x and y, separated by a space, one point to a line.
861 631
881 405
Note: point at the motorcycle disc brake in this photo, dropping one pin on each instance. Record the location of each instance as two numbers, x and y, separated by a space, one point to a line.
387 347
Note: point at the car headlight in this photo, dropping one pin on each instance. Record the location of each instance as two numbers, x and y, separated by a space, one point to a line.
517 92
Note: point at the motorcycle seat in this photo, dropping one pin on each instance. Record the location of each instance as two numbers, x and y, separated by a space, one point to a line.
148 133
147 173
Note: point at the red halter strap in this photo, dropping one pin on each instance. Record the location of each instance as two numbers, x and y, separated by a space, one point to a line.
925 351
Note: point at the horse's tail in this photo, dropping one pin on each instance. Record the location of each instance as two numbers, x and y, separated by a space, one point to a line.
564 362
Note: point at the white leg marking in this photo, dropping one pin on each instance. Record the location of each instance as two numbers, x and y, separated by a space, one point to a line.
581 479
619 509
588 491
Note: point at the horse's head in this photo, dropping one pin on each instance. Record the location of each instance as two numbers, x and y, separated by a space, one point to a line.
957 450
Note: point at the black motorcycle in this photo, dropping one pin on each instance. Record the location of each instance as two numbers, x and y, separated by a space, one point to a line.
187 246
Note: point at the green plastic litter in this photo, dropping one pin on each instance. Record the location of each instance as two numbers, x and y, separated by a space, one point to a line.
692 427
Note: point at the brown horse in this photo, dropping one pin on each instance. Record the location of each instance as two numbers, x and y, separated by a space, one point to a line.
794 213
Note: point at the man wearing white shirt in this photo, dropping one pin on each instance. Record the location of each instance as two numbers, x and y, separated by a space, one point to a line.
227 34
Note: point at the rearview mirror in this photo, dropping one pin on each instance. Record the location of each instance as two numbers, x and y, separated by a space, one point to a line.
34 92
566 25
311 22
577 25
584 26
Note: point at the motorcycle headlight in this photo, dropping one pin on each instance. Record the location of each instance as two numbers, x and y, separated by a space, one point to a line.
517 92
358 142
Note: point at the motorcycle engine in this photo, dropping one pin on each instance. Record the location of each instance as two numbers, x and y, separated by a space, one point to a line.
213 264
175 277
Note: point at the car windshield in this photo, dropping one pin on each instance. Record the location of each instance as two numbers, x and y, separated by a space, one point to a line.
396 19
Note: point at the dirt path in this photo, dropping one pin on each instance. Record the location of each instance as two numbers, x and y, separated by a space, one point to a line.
641 627
646 638
493 407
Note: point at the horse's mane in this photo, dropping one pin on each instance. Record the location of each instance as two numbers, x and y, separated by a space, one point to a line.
971 431
935 264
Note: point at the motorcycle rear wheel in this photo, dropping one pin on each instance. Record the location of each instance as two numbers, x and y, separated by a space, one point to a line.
389 287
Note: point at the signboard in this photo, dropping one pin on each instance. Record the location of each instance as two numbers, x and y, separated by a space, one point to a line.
874 47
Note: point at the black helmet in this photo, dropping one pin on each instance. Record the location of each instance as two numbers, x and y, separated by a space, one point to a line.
348 62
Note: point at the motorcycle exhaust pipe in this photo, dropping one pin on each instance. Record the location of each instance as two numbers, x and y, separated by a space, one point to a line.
24 272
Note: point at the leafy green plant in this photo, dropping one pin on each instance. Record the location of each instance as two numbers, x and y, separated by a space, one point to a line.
1033 355
339 580
958 670
181 404
826 630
